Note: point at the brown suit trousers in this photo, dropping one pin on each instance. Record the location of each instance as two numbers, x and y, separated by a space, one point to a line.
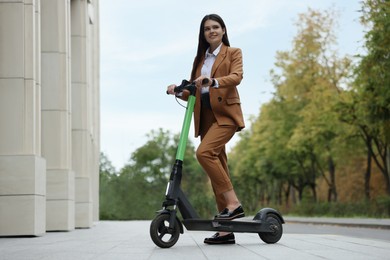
211 154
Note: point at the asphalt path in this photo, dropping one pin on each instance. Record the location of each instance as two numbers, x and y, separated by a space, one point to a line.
366 233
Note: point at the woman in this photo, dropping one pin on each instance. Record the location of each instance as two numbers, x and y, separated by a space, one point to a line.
217 114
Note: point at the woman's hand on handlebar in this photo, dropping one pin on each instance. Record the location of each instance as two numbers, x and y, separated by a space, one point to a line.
203 81
171 89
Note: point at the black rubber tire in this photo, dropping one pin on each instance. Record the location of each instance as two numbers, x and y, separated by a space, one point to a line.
272 237
160 233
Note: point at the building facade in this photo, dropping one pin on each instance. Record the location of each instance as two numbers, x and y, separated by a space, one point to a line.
49 115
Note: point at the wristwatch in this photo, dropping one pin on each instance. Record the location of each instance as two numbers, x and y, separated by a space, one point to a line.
213 83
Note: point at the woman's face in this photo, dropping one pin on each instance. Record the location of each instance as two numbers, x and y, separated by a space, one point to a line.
213 33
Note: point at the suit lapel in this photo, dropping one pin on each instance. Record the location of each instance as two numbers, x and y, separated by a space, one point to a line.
220 57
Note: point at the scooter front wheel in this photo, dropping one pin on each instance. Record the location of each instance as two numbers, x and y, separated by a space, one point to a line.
160 232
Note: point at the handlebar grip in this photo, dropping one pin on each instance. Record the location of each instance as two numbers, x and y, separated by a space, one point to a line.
186 85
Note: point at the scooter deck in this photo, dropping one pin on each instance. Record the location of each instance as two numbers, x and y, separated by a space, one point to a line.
245 226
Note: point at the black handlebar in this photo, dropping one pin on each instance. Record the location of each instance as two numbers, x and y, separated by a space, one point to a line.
185 84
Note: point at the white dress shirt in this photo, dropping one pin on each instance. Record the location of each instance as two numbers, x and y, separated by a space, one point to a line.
208 65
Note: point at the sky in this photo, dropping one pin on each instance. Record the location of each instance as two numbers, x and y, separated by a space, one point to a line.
147 45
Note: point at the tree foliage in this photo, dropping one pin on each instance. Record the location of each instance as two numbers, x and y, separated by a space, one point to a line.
297 130
300 137
373 83
137 191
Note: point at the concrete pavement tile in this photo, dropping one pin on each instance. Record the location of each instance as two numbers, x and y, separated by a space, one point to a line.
181 252
236 251
118 256
354 246
274 251
130 240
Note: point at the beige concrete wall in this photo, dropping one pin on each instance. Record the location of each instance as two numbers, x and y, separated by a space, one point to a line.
49 114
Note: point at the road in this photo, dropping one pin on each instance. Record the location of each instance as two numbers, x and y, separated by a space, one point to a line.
366 233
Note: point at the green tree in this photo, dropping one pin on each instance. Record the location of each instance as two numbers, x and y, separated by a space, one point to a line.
248 179
137 191
367 105
310 80
107 196
144 178
262 166
296 137
299 136
373 84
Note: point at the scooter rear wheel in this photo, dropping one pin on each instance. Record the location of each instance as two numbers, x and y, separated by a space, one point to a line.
161 234
277 229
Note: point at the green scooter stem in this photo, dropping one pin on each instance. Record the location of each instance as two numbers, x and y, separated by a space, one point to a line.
185 128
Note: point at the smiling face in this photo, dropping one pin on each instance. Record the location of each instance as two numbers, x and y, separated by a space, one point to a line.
213 33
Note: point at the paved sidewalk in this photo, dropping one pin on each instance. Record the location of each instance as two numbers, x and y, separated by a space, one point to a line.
130 240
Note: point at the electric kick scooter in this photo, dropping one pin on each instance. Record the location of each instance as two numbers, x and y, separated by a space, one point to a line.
166 227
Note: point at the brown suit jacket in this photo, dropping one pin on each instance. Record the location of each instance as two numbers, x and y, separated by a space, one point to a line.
225 100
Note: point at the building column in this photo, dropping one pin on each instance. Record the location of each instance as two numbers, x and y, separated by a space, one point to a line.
56 115
95 93
84 139
22 169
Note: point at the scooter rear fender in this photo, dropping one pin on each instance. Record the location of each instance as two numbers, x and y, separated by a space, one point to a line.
262 214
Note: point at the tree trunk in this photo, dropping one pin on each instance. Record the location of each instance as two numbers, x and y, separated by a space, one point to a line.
313 189
332 172
280 195
300 194
287 195
382 158
367 175
293 196
313 176
382 161
387 168
387 183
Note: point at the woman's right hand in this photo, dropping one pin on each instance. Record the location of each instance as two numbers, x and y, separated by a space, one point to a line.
203 81
171 89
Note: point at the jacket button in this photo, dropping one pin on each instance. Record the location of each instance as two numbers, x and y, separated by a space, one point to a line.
219 99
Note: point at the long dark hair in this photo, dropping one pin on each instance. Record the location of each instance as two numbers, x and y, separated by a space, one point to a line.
203 44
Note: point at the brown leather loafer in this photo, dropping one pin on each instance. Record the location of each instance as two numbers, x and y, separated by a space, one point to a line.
216 239
229 215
